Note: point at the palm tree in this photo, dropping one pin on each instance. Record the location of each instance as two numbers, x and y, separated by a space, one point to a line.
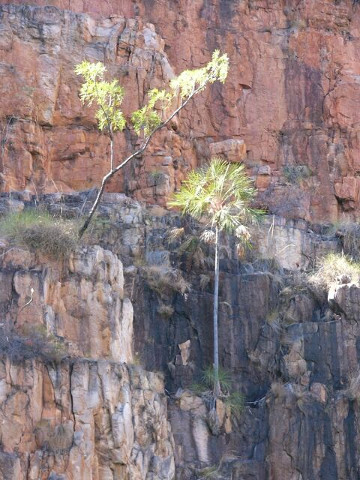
221 193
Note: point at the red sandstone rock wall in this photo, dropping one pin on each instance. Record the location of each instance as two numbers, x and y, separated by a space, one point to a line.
293 95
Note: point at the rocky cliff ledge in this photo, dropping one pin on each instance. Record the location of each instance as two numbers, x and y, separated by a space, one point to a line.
290 351
83 409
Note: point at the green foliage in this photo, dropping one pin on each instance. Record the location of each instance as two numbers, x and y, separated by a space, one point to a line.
208 378
209 473
224 378
221 192
198 388
296 173
190 81
333 266
186 85
236 402
107 95
39 231
148 118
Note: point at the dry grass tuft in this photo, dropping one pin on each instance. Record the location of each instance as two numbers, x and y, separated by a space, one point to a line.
165 280
33 342
192 246
176 233
38 231
353 390
332 267
166 311
204 281
349 234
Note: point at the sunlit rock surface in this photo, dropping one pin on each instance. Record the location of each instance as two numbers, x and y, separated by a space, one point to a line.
291 96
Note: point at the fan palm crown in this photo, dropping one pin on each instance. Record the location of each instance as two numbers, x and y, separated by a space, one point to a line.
220 192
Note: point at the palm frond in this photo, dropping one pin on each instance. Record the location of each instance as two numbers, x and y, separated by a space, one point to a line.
220 191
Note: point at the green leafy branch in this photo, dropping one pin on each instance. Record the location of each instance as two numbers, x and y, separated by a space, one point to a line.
149 119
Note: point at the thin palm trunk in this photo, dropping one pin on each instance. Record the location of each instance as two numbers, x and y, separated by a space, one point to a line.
217 389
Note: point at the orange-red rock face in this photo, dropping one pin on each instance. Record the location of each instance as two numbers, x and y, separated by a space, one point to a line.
292 95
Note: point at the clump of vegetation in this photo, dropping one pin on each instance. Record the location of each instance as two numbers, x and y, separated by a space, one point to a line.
234 400
333 267
192 246
204 281
224 379
161 107
166 311
32 342
165 280
39 231
349 233
209 473
296 173
353 390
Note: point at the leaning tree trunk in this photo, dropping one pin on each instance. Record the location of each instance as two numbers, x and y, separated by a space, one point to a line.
217 389
144 146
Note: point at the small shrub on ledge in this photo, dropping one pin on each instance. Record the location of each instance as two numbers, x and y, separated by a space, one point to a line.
332 267
39 231
33 342
165 280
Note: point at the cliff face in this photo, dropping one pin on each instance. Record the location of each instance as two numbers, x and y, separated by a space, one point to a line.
291 95
87 420
293 353
74 400
72 403
49 142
